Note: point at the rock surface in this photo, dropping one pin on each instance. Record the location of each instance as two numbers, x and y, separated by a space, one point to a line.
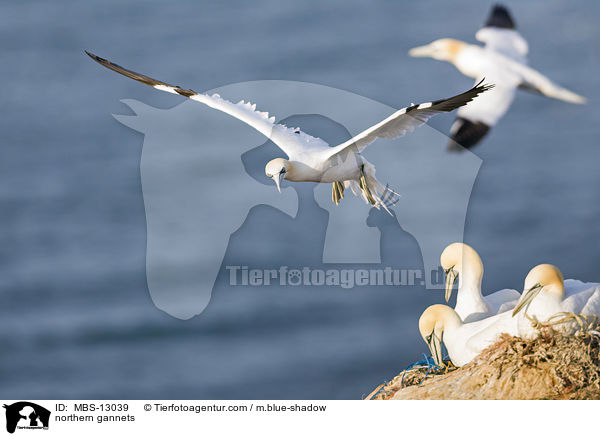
550 367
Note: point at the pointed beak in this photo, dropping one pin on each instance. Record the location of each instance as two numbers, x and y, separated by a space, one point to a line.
450 279
435 347
527 298
278 178
423 51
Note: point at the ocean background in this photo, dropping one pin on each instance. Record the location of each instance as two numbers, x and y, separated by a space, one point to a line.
76 319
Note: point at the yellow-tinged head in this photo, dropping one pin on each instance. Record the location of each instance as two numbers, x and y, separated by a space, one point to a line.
458 258
434 320
544 278
445 49
277 169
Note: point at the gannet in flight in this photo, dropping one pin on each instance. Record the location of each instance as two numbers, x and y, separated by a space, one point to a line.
441 324
502 61
546 296
462 260
311 159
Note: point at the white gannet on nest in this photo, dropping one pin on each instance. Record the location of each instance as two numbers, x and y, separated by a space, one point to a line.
548 299
311 159
441 324
459 259
502 61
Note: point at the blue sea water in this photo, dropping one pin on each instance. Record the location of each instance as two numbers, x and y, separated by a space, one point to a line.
76 319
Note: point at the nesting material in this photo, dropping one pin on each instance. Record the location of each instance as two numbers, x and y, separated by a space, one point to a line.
552 366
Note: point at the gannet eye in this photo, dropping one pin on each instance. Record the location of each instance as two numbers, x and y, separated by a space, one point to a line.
428 338
282 171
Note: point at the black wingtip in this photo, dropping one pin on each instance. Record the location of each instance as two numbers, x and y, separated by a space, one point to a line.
94 57
466 134
102 61
482 88
449 104
146 80
500 17
488 86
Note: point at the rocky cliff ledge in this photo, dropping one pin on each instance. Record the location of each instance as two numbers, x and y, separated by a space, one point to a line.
550 367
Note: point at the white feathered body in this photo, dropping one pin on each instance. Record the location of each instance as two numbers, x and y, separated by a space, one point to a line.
580 299
466 341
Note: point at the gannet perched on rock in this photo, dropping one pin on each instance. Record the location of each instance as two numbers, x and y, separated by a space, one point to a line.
547 298
502 61
441 324
459 259
311 159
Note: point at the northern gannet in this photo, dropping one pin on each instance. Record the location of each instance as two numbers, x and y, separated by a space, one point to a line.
441 324
546 296
503 61
311 159
459 259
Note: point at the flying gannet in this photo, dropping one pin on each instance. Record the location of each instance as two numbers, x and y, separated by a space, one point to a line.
311 159
547 297
459 259
502 61
441 324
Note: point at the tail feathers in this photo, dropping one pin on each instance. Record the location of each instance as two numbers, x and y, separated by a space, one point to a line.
384 196
373 192
388 199
354 187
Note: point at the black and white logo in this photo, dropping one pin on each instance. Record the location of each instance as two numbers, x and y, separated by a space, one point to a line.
26 415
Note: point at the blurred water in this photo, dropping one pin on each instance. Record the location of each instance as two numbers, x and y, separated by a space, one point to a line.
76 319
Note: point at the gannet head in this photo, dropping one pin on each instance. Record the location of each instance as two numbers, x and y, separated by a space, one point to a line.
432 324
457 258
277 169
446 49
544 277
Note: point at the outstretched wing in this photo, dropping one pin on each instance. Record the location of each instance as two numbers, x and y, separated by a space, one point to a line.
405 120
291 141
534 81
499 34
